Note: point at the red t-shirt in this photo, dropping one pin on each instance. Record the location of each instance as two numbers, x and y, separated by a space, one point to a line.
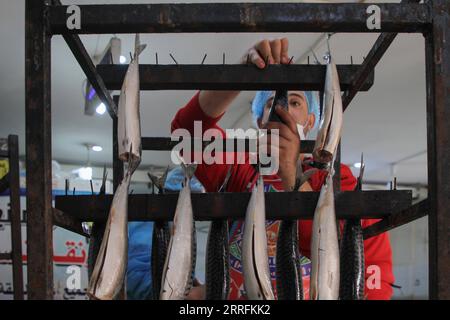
378 254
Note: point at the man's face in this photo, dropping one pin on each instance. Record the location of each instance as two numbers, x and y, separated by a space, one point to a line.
298 108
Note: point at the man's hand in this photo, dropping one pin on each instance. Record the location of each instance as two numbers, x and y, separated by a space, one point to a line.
288 146
215 102
273 51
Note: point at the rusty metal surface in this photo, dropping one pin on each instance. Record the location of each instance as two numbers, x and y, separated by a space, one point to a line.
233 205
437 54
38 151
16 229
232 77
240 17
416 211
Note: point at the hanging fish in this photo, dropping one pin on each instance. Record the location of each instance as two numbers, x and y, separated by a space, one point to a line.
288 267
352 261
325 247
110 266
255 261
330 125
160 240
129 128
179 267
352 255
217 276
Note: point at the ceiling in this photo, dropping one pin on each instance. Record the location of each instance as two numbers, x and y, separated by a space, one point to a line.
387 123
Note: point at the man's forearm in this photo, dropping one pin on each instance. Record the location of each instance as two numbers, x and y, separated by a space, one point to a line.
215 102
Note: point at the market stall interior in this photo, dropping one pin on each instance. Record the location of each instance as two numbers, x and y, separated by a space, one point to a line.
48 18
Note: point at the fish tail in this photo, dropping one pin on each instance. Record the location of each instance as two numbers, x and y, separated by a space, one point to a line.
138 47
189 169
159 182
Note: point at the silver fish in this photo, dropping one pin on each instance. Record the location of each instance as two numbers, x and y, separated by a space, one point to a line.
178 274
325 247
255 261
129 128
352 254
288 270
330 126
217 268
160 240
111 263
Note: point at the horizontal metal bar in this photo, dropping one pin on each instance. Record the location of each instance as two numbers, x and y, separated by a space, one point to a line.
68 222
231 77
240 17
86 64
233 205
166 144
5 256
4 183
4 154
395 220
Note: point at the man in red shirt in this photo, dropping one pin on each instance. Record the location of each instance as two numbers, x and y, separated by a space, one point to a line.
209 106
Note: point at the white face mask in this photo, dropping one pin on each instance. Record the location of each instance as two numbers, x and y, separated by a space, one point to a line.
301 130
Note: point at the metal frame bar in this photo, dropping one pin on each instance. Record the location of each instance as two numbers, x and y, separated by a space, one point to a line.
85 62
395 220
232 205
437 56
232 77
241 17
12 182
38 149
43 20
16 229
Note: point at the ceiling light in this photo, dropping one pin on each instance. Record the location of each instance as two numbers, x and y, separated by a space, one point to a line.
101 109
122 59
357 165
97 148
85 173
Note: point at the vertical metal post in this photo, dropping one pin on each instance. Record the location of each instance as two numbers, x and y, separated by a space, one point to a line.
16 229
437 50
38 150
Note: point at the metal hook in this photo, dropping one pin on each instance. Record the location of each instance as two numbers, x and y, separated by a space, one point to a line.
223 58
291 60
315 57
173 58
156 57
327 56
204 58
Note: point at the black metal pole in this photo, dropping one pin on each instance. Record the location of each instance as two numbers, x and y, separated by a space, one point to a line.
241 17
16 229
437 51
38 150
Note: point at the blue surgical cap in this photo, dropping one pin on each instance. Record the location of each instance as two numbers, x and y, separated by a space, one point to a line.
174 180
261 98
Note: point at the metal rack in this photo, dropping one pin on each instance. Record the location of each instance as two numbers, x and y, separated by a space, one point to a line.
11 181
45 18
